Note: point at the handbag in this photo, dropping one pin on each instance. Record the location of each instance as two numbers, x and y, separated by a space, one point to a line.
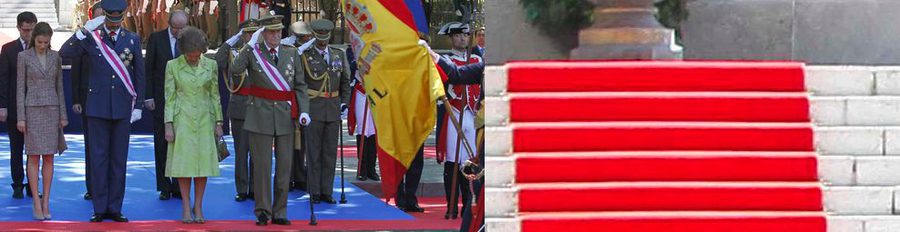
223 149
62 142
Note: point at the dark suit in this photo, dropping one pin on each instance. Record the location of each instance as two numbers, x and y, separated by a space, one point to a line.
8 56
80 72
159 52
108 110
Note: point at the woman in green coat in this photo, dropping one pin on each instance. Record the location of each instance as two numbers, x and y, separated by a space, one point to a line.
193 119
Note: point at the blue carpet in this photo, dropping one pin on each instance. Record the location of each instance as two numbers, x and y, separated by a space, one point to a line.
141 197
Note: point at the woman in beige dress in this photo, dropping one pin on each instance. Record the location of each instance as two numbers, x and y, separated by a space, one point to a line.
42 112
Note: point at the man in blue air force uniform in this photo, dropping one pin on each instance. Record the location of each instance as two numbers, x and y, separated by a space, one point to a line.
115 89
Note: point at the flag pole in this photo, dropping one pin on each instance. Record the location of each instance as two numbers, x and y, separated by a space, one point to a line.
360 150
459 136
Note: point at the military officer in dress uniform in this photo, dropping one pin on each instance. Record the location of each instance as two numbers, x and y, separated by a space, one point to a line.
463 98
328 79
277 104
115 87
237 105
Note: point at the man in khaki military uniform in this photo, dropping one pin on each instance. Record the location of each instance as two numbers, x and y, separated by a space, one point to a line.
328 79
237 105
277 99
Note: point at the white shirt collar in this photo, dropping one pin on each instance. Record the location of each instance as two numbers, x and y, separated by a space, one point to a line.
118 31
172 41
277 48
24 43
322 51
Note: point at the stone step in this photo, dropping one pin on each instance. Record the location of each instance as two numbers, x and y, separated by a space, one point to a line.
12 12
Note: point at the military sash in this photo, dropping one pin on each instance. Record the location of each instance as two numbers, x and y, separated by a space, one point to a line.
272 73
117 66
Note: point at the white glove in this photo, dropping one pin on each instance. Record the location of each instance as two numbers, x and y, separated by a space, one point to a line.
135 115
234 39
306 46
344 111
90 26
304 119
289 40
255 38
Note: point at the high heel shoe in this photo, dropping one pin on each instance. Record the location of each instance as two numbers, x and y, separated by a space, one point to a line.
47 213
38 216
198 220
189 219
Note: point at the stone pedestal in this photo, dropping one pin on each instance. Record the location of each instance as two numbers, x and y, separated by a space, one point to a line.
624 30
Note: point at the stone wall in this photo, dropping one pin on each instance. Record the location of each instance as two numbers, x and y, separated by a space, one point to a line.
814 31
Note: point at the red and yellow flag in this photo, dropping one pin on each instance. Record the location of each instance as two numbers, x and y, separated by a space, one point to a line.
401 80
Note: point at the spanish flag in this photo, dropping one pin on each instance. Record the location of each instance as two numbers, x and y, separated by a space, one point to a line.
402 82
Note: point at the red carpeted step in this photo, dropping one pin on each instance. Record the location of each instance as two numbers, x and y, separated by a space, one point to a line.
665 166
676 222
660 106
642 136
654 76
664 196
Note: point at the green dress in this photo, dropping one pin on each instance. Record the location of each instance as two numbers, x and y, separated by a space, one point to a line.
192 106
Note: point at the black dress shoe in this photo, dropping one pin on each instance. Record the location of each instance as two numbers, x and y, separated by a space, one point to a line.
118 217
251 196
292 186
176 195
165 195
327 199
315 199
413 209
262 220
281 221
361 178
17 191
374 177
87 196
240 197
97 217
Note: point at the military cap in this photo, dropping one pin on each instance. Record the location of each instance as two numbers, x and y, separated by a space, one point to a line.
300 28
454 28
322 28
112 7
250 25
272 22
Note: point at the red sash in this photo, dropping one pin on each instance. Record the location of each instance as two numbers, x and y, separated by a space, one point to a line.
276 95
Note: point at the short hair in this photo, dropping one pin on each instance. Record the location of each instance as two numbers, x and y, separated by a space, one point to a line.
176 13
191 39
42 28
25 17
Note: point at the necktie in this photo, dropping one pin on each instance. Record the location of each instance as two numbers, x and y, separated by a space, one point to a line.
112 36
177 52
274 55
